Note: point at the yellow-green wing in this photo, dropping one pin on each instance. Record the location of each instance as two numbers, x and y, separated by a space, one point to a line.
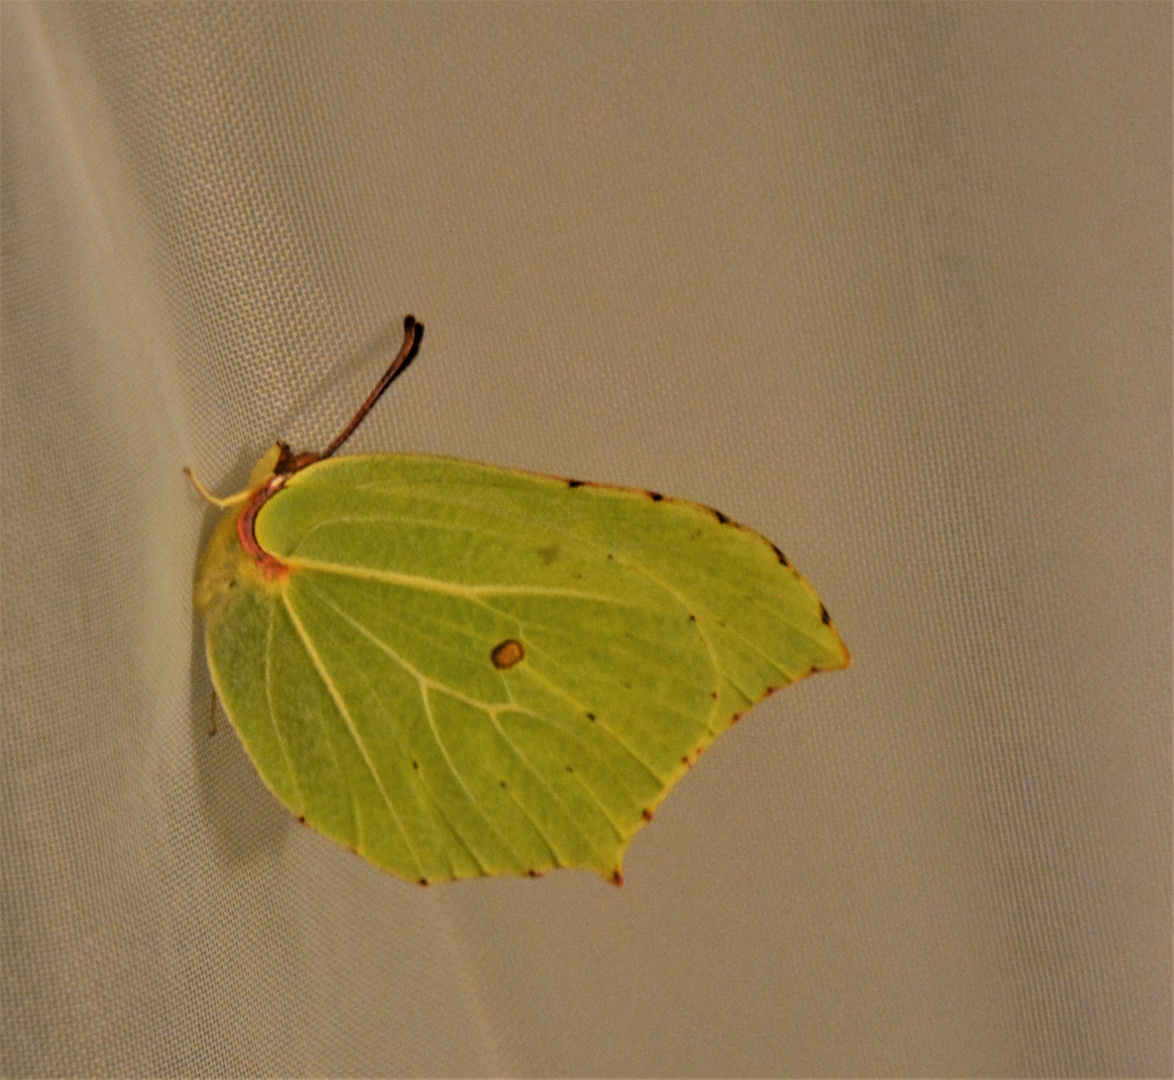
470 670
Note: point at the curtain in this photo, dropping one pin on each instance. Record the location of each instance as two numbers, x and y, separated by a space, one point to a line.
889 283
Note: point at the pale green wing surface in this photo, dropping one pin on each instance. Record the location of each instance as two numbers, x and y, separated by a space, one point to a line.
471 670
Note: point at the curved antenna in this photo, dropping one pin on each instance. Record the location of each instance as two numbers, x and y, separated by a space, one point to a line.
413 335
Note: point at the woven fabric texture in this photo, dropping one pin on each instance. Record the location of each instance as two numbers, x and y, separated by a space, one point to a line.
889 283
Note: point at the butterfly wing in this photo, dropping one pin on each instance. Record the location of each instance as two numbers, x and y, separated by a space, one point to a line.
470 670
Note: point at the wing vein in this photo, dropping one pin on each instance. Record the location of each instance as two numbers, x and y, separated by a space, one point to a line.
425 684
515 707
281 740
549 787
348 720
427 584
587 751
560 692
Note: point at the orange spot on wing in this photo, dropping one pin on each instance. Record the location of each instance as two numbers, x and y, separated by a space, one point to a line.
506 654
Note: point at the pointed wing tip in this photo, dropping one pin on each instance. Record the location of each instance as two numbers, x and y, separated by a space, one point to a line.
845 657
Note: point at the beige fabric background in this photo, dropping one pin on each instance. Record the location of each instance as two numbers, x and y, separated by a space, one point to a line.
889 283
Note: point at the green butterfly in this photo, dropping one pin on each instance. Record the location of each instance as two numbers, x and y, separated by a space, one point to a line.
457 670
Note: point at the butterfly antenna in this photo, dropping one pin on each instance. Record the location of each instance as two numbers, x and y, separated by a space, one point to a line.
413 335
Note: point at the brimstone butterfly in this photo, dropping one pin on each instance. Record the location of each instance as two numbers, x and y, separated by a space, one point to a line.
458 670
